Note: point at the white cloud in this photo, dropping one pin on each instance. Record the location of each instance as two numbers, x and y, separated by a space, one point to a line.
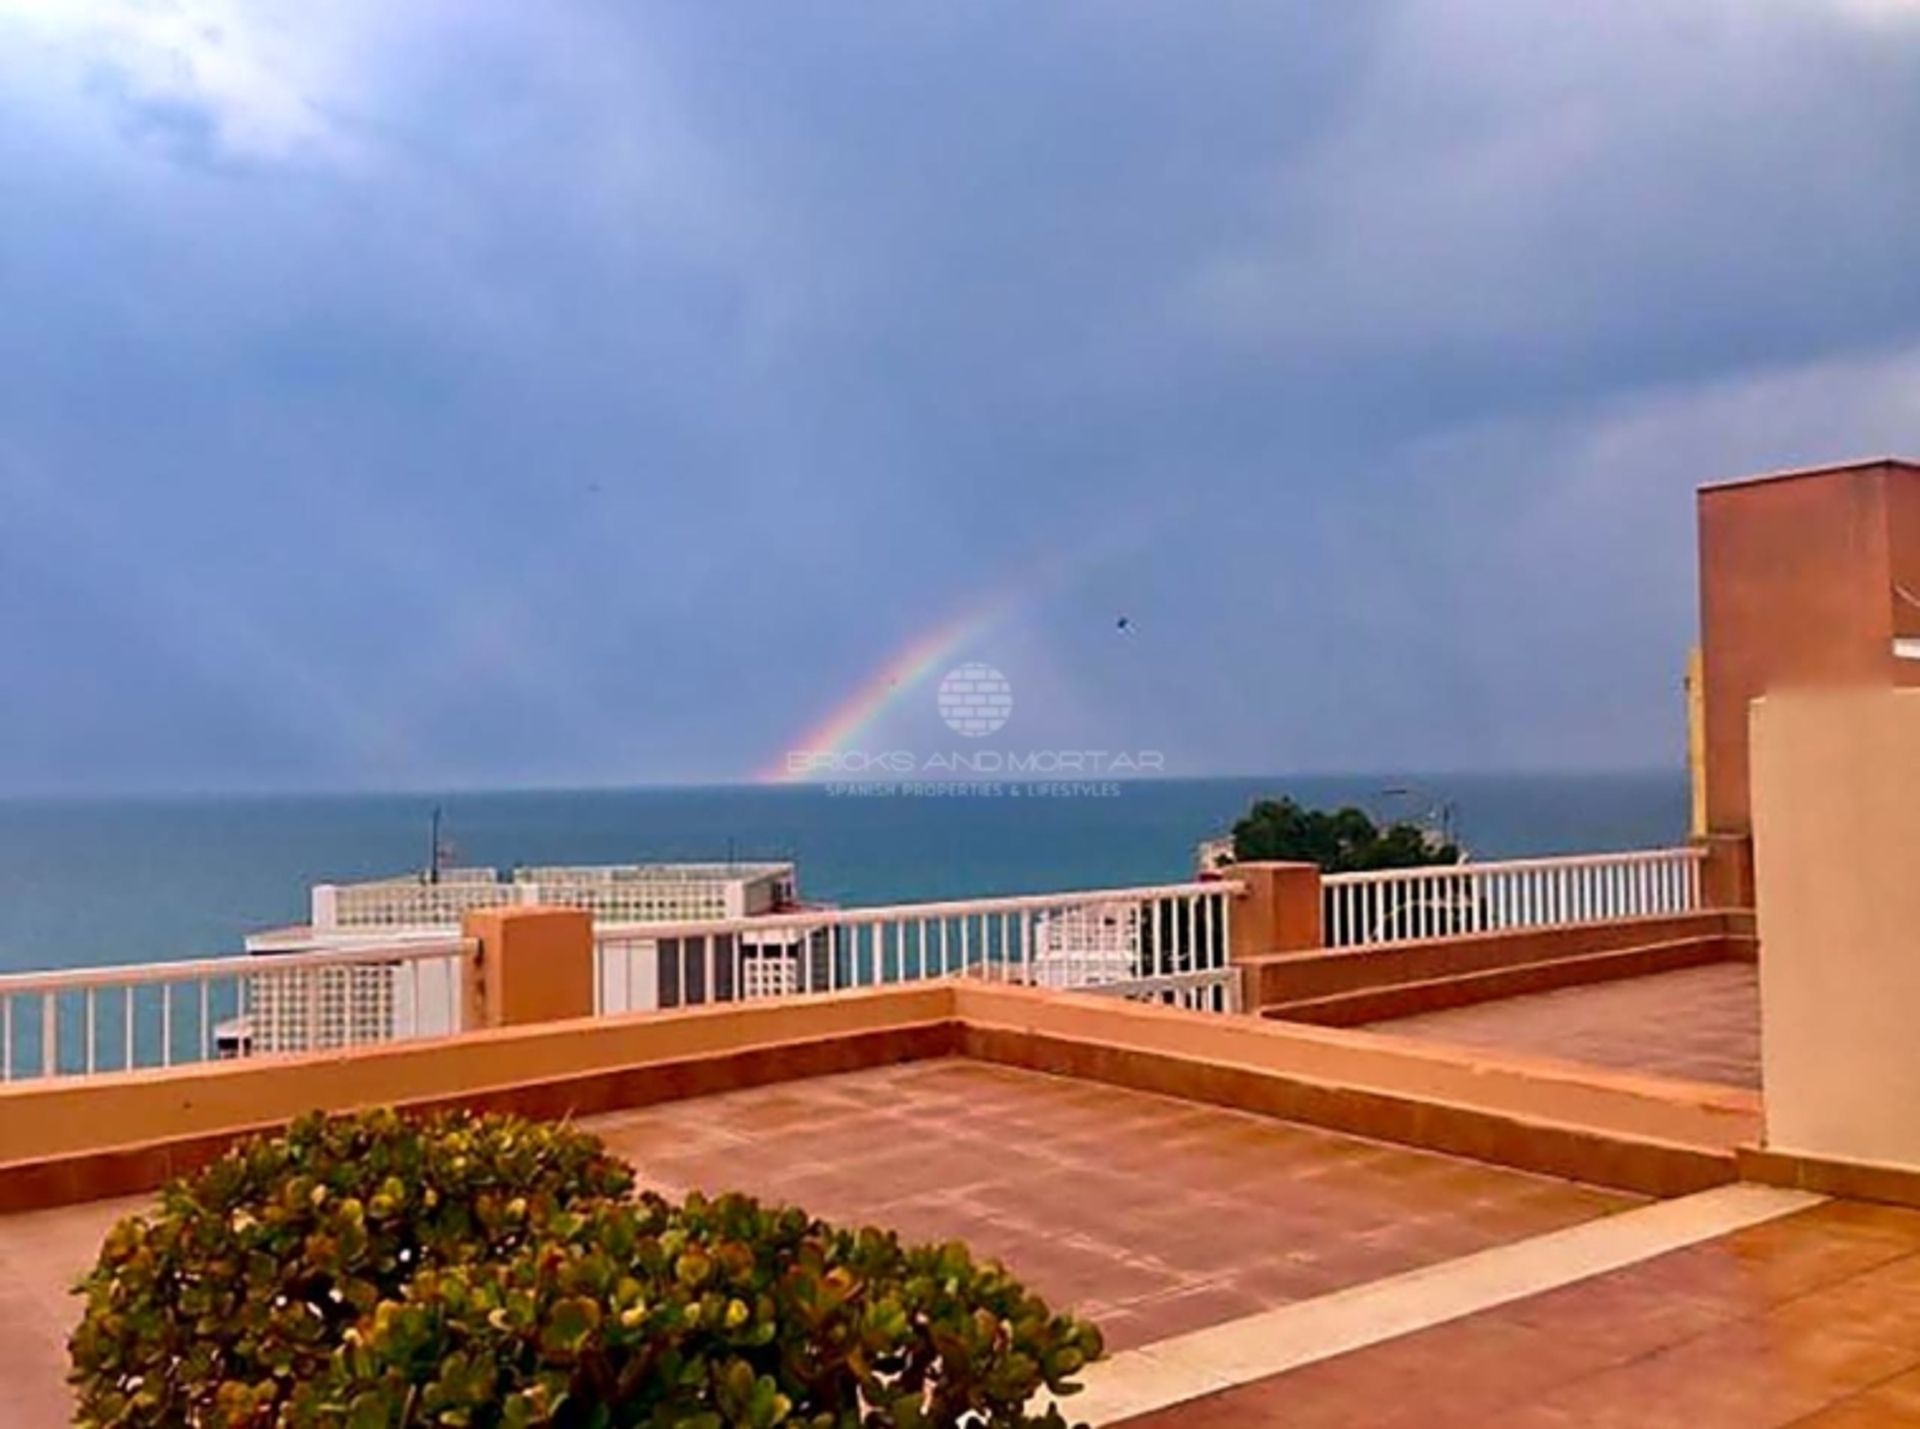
1895 11
254 76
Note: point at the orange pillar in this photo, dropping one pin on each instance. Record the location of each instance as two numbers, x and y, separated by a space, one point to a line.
534 965
1278 910
1726 876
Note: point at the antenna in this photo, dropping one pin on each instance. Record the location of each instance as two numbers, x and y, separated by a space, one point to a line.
440 851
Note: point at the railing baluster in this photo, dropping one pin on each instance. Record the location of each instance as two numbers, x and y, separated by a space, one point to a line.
1401 905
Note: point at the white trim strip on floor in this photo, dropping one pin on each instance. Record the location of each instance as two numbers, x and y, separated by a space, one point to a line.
1171 1371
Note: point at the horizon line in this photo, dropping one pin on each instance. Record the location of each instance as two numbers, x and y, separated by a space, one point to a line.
753 785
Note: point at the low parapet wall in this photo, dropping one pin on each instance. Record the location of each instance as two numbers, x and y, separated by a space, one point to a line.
78 1139
1649 1134
84 1139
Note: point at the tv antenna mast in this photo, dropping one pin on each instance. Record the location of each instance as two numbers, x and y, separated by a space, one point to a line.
439 850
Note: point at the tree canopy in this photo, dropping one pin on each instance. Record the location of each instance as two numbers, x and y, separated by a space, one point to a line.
1339 840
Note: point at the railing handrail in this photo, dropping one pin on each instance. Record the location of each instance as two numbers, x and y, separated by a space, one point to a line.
230 965
904 912
1519 865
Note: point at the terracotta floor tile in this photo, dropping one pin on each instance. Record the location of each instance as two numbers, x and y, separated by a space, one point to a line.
1810 1319
1162 1215
1882 1304
1741 1377
1190 1307
1700 1024
1892 1401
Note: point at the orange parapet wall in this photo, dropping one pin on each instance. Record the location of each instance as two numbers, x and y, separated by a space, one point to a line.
1806 578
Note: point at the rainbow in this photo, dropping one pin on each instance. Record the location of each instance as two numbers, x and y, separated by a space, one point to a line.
1049 569
904 669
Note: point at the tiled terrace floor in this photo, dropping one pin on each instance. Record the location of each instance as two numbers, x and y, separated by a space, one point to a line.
40 1254
1701 1024
1812 1320
1152 1215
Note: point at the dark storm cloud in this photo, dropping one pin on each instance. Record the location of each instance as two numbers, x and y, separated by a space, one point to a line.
494 393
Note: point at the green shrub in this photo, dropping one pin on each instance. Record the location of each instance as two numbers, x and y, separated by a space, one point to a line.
485 1271
242 1284
717 1312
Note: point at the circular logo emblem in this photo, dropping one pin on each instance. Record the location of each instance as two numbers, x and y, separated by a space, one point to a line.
975 700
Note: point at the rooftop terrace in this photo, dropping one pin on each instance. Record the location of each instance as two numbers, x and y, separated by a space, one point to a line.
1431 1160
1250 1270
1701 1024
1228 1197
1154 1215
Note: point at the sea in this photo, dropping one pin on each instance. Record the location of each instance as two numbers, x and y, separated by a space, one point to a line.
95 882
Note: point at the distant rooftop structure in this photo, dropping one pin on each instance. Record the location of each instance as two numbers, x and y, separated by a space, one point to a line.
350 1005
433 904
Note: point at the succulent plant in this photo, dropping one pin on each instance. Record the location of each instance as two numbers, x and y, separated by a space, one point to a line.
372 1272
720 1312
242 1283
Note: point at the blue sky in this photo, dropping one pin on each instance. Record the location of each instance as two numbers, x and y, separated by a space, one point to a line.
452 394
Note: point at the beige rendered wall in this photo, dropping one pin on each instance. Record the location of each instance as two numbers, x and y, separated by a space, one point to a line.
1836 810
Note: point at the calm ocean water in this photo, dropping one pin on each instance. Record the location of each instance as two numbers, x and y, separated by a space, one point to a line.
108 881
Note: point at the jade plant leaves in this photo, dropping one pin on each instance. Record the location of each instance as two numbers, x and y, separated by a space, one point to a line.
377 1273
246 1279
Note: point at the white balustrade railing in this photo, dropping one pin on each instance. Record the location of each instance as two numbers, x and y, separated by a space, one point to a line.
1167 943
85 1021
1405 904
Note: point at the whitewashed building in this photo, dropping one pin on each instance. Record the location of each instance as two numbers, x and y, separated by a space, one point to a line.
344 1006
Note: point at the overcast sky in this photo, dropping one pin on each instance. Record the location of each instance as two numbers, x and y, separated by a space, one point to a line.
470 393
